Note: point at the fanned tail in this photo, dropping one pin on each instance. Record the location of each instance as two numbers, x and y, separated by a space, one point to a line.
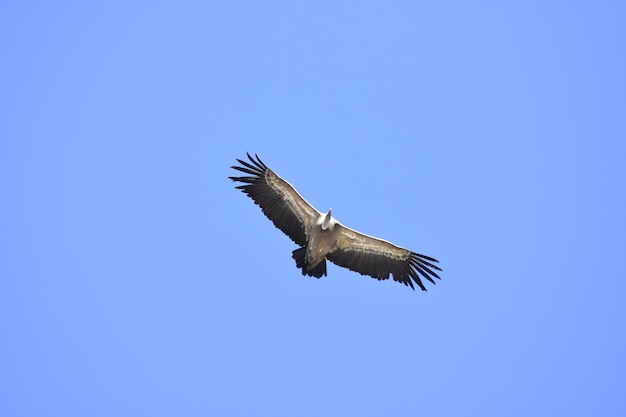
299 255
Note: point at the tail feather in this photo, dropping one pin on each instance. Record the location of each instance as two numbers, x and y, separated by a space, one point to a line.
299 255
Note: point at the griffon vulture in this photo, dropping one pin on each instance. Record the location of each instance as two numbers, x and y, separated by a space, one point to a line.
321 237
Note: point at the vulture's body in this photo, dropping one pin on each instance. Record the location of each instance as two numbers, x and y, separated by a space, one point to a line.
322 238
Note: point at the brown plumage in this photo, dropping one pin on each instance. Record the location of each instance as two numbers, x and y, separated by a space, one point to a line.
321 237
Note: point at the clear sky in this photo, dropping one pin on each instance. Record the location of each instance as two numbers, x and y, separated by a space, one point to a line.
136 281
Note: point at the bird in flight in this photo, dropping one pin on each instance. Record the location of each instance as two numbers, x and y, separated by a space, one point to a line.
320 237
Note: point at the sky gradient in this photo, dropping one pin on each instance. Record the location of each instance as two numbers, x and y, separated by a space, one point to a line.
135 280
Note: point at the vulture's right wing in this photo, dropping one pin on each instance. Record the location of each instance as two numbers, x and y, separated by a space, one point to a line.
278 200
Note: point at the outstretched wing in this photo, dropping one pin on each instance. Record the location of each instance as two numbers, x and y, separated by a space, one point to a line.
378 258
278 200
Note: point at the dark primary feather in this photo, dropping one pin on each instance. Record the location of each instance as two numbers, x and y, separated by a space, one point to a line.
271 201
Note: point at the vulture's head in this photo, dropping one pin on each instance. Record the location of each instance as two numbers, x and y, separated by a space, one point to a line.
326 221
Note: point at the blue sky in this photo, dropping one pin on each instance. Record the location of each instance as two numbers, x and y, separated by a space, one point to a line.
135 280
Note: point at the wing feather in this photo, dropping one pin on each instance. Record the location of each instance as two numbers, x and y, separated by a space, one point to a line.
379 259
278 200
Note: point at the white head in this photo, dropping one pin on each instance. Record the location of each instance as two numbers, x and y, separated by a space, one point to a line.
326 221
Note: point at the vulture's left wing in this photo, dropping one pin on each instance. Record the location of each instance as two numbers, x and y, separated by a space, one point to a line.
378 258
278 200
